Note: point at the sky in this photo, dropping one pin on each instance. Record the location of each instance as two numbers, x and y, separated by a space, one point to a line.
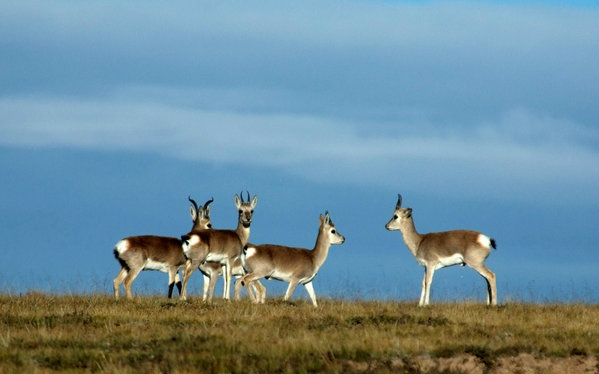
483 115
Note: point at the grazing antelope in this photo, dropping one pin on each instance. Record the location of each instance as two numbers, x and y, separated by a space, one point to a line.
293 265
436 250
223 247
137 253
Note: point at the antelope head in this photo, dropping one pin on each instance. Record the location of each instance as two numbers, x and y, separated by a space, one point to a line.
200 215
327 227
399 216
245 208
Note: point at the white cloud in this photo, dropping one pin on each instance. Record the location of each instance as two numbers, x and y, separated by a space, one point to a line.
523 154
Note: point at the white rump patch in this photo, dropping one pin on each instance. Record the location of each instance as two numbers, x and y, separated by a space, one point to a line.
122 246
153 265
484 240
250 251
195 239
456 259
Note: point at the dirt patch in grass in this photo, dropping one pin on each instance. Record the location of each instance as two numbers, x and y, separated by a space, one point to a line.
527 363
470 364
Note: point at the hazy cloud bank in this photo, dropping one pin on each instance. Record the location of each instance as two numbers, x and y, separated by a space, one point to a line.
522 154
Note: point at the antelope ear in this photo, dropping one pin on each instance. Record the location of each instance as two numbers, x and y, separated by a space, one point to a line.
320 220
408 213
254 201
237 201
326 220
207 212
193 213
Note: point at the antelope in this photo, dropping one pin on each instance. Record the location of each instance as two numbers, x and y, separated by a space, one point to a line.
137 253
211 270
246 211
437 250
222 246
200 215
293 265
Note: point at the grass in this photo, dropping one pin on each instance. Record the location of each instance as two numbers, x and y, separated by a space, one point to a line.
41 333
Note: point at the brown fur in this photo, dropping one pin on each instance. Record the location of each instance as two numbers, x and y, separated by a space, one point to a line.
447 243
159 249
223 243
293 265
209 268
140 249
164 249
432 249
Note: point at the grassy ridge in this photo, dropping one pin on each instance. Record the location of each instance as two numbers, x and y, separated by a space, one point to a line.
44 333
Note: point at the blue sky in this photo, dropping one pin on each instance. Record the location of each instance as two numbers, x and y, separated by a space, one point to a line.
482 114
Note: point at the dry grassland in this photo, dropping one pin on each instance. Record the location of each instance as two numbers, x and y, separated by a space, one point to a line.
42 333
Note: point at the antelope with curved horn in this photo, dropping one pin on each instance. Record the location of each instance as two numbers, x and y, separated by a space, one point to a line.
223 247
246 212
293 265
436 250
200 215
211 270
149 252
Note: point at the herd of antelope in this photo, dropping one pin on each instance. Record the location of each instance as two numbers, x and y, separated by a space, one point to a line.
227 252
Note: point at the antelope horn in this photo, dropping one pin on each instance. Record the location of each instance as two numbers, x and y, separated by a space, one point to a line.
195 205
248 200
208 203
241 196
398 205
